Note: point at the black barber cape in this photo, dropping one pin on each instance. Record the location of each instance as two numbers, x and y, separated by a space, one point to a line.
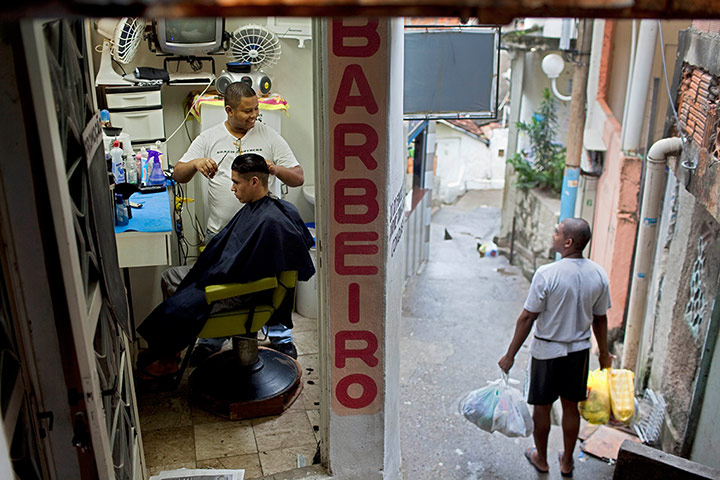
264 238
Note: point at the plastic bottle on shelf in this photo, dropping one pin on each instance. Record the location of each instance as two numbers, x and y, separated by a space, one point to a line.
138 166
105 118
156 177
121 213
131 171
116 154
144 167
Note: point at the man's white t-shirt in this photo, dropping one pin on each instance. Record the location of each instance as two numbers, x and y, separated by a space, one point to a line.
221 145
567 294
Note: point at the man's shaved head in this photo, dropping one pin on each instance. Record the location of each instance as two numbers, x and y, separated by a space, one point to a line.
579 230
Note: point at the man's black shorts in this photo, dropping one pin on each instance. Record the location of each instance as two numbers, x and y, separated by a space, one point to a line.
564 377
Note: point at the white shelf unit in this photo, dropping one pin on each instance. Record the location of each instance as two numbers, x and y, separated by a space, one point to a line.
139 112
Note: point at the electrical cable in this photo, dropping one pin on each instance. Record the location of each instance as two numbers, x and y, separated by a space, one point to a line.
186 116
670 99
187 132
119 65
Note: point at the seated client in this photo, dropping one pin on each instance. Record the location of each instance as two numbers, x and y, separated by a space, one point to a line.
267 236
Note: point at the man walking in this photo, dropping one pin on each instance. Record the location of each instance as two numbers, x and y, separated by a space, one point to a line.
567 298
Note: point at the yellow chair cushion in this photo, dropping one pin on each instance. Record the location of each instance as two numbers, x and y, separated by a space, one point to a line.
213 293
233 322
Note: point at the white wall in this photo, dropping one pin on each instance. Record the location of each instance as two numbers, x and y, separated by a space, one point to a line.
466 163
395 280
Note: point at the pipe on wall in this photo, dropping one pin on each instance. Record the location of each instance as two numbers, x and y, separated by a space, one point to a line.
641 71
628 85
653 188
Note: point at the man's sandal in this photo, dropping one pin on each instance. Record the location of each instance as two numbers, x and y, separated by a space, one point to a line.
565 474
528 455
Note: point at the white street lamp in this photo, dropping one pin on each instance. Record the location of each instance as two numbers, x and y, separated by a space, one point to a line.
553 65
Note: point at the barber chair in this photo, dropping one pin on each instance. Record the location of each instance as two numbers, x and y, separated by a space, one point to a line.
248 381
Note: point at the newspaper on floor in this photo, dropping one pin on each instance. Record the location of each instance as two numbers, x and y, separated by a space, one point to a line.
200 474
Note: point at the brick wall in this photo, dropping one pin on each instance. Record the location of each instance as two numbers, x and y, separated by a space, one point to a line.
697 107
697 99
712 26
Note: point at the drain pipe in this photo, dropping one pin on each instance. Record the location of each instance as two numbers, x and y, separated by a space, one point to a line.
641 73
653 189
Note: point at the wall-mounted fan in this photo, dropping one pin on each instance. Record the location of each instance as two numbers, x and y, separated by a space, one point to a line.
122 38
252 48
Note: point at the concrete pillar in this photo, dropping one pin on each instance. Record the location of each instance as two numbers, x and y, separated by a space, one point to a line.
509 191
360 171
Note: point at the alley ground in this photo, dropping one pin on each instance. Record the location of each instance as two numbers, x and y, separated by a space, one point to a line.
458 316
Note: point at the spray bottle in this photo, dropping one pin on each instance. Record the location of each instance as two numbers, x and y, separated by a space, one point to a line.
157 177
116 154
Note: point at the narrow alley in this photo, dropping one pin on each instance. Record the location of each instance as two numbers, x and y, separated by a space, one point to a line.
458 317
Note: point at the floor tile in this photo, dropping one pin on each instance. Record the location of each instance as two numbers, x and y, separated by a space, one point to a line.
310 367
200 416
314 417
312 472
297 405
310 396
169 446
224 439
306 342
282 460
162 468
163 410
249 462
304 324
284 431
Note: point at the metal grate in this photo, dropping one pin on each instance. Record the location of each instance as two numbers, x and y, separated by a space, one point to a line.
696 307
651 414
87 187
15 394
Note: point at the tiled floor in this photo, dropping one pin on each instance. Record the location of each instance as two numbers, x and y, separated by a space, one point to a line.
177 434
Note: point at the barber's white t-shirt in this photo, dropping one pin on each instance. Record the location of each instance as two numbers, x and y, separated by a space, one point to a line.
567 294
220 145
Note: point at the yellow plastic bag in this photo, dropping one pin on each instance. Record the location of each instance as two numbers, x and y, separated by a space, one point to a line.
596 409
622 394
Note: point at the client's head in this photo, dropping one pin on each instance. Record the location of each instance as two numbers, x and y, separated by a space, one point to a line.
249 177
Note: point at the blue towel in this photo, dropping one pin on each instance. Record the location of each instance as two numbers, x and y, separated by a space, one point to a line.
154 216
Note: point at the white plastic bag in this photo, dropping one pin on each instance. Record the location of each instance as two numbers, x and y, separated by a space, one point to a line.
498 407
478 406
512 417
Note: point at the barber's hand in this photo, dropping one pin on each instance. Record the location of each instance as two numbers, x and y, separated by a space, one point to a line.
506 363
605 359
206 166
271 167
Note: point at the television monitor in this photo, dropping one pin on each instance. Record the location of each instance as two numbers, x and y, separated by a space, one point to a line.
189 36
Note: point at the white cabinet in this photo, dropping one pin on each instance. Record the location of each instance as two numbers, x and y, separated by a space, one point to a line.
131 98
138 111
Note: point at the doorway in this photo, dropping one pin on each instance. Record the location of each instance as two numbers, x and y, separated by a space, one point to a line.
176 433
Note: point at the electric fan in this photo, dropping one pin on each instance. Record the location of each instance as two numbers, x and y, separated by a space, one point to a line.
122 38
252 48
